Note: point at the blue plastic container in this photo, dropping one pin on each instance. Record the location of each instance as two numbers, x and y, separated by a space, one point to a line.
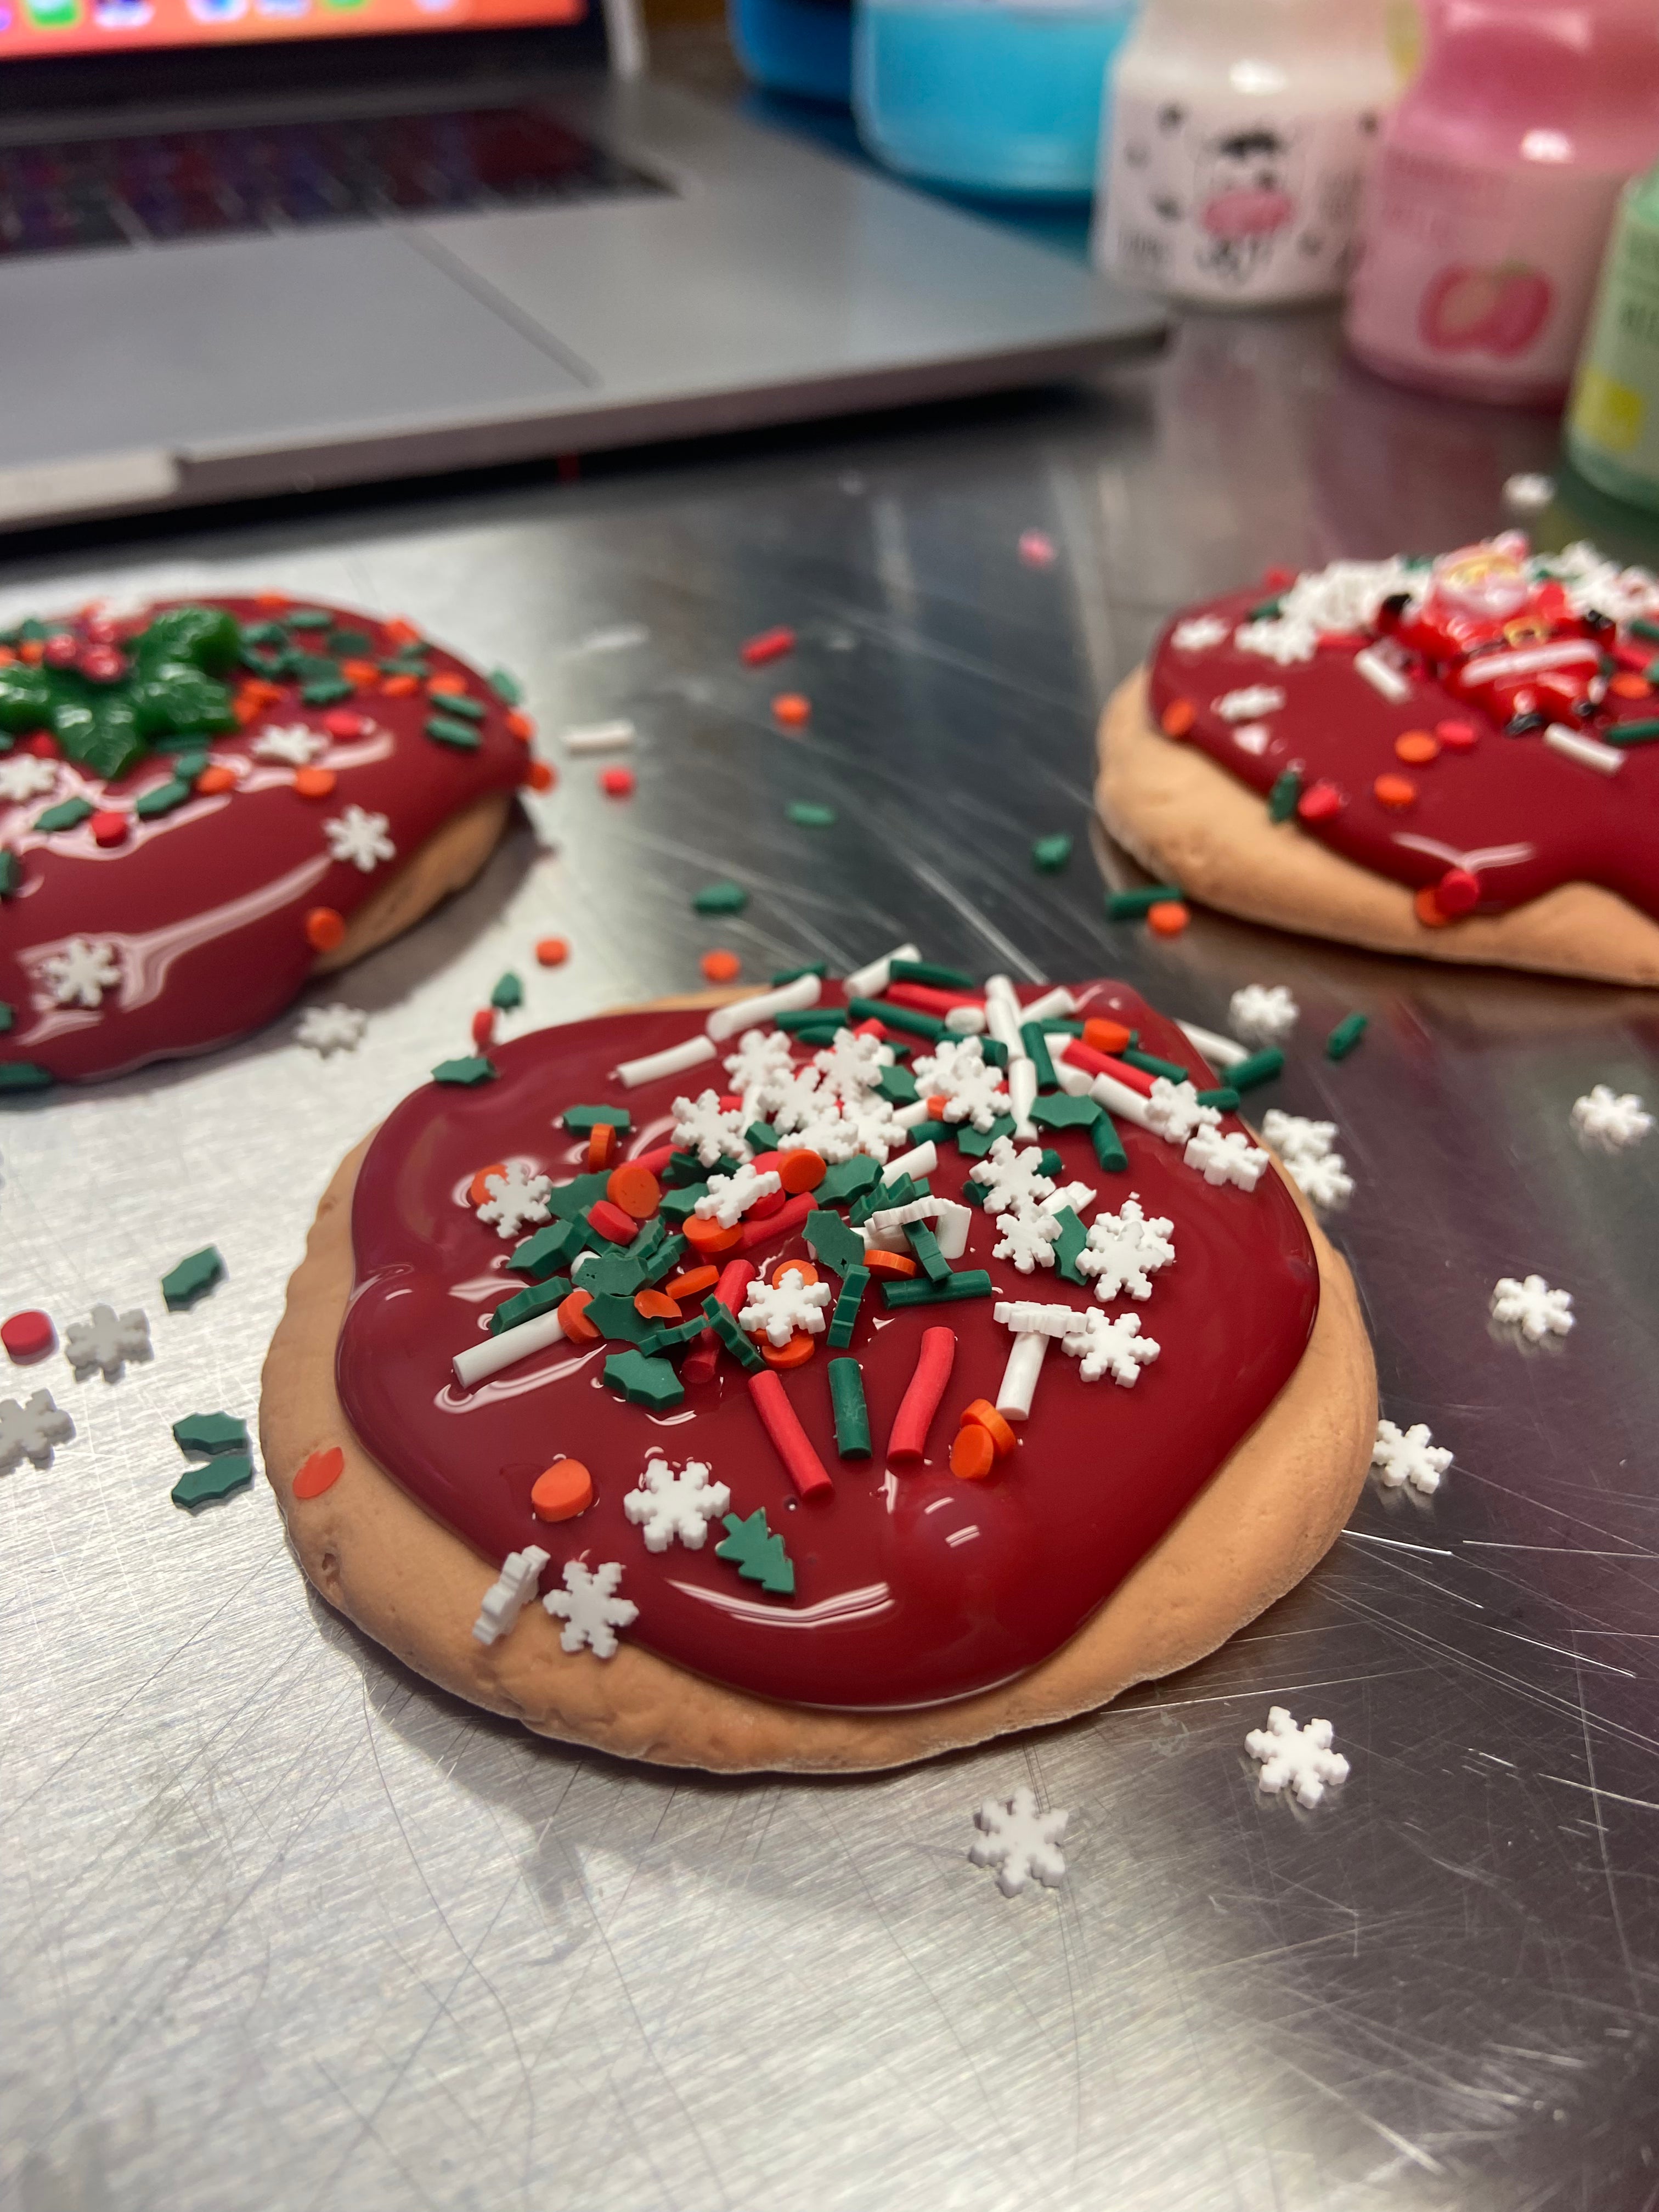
800 46
986 97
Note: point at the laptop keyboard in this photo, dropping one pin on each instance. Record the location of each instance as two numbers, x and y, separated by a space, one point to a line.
140 190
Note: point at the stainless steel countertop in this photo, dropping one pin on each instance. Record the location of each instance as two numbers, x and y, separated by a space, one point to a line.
283 1926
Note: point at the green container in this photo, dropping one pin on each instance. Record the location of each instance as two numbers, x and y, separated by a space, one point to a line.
1612 417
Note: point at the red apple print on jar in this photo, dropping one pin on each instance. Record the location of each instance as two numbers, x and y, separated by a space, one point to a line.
1494 311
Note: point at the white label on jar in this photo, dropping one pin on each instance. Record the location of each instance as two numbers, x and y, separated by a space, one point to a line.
1235 202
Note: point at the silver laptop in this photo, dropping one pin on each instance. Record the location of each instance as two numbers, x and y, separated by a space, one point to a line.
261 246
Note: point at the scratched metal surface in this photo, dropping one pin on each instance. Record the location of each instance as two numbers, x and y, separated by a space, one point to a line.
284 1926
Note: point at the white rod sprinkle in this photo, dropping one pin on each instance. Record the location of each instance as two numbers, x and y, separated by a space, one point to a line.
491 1353
1117 1098
673 1062
1382 676
748 1014
1057 1004
1022 1094
1019 1377
1559 738
599 736
1220 1051
919 1160
870 982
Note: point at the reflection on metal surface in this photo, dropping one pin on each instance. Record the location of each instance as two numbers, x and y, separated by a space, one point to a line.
286 1927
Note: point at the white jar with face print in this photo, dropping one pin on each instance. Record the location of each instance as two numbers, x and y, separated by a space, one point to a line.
1240 134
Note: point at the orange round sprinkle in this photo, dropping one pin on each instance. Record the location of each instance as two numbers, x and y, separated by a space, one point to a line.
362 673
656 1305
801 1168
1178 717
270 598
477 1190
218 777
552 952
1102 1035
935 1106
564 1490
1394 791
399 630
792 708
804 1268
636 1189
720 966
1417 747
1168 918
796 1353
400 687
324 928
707 1237
986 1415
444 686
539 776
572 1319
33 650
692 1284
973 1455
314 783
1630 686
520 726
1428 909
890 1263
320 1472
603 1146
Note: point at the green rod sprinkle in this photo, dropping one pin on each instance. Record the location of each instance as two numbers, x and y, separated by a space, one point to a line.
852 1415
1036 1047
929 971
898 1017
1342 1039
1134 906
973 1283
1260 1067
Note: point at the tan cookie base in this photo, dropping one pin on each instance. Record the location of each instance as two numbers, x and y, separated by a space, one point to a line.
1185 818
1272 1511
447 861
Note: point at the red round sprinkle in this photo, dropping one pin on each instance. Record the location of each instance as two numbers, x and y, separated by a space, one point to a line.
343 722
27 1336
109 828
1277 580
552 952
319 1473
539 776
484 1026
617 782
42 744
1458 891
1457 737
611 1223
61 649
1319 802
102 664
325 928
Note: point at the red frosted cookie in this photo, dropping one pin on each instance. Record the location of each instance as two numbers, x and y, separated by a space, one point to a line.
1454 758
204 804
836 1415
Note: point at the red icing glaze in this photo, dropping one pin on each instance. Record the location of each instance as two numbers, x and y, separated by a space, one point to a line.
914 1587
206 907
1520 817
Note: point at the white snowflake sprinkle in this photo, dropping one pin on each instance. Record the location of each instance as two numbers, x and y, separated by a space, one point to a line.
1409 1455
1608 1120
1335 601
80 975
702 1125
668 1504
1307 1149
1249 702
1010 1178
957 1072
590 1608
1026 1237
1126 1249
108 1340
24 776
1253 738
851 1065
761 1064
292 743
776 1310
1109 1345
359 838
1532 1307
1232 1159
514 1200
32 1430
729 1197
795 1098
1263 1014
338 1028
1300 1759
1174 1112
1199 633
508 1595
1019 1842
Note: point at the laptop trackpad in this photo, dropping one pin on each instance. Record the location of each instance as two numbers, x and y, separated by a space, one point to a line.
226 345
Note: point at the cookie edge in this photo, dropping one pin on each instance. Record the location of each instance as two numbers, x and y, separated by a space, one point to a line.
1184 817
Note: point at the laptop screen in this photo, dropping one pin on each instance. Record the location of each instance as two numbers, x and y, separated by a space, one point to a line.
38 28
